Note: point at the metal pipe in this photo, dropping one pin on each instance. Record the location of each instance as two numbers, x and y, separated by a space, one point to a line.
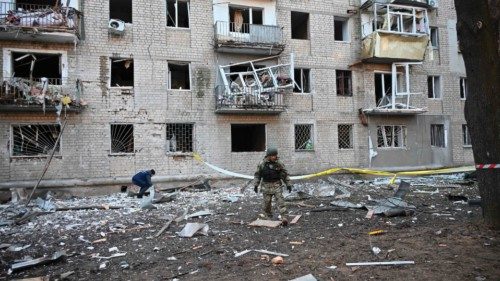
104 181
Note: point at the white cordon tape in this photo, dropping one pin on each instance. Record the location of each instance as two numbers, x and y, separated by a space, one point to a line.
487 166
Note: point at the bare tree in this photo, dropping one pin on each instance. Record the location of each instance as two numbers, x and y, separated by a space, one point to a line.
478 34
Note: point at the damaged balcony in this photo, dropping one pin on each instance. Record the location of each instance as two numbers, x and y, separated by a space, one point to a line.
39 23
244 38
393 33
393 94
21 95
252 89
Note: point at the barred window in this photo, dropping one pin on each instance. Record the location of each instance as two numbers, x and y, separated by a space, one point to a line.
344 82
466 135
392 136
437 135
463 88
345 136
35 140
304 137
179 137
122 138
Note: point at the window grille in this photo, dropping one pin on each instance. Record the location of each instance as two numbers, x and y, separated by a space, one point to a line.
179 137
35 140
391 136
122 138
303 137
345 136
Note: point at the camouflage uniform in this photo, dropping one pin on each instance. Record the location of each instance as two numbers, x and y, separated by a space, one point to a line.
273 175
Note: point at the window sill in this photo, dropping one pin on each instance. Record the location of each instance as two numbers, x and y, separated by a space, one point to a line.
343 42
302 94
20 157
436 99
467 146
179 90
301 39
179 28
461 99
346 149
179 153
304 150
121 154
392 148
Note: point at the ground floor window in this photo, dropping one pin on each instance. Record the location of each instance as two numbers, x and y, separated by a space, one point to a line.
391 136
248 137
179 137
437 135
466 135
345 136
35 140
304 137
122 138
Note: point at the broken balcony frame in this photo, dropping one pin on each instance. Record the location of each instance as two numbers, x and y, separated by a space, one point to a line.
395 20
30 22
260 89
398 102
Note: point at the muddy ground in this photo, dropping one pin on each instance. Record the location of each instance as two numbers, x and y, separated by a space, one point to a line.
446 239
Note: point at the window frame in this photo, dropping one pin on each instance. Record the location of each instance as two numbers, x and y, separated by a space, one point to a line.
345 29
176 6
463 88
404 135
466 139
351 136
434 37
131 12
308 31
12 141
110 84
111 152
343 77
306 78
191 135
169 75
311 138
439 87
441 142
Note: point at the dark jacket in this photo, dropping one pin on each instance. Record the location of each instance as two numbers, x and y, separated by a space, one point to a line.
280 173
142 179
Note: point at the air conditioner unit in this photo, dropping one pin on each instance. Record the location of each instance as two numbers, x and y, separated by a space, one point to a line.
433 3
116 27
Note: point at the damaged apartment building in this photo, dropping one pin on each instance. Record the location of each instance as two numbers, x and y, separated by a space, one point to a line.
106 88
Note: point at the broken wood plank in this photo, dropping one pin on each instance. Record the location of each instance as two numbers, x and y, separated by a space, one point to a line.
369 214
379 263
295 219
100 207
266 223
163 228
242 253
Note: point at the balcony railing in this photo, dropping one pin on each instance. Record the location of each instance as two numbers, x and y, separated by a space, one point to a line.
230 34
38 19
17 93
249 100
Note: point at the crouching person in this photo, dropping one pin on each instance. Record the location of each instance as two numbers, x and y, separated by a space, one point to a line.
273 174
143 180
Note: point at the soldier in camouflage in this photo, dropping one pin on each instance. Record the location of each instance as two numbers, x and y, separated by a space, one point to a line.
273 175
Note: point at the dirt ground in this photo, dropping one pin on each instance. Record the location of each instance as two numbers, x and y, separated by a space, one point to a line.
445 239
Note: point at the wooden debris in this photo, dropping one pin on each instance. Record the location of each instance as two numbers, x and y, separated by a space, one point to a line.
376 232
271 253
369 214
40 261
380 263
242 253
266 223
295 219
163 228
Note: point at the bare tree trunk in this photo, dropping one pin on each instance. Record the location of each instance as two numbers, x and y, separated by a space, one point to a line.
478 32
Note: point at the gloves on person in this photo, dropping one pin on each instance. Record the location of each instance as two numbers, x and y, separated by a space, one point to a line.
256 189
289 188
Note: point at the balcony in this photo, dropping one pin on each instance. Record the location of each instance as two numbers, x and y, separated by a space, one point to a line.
394 33
21 95
39 23
247 38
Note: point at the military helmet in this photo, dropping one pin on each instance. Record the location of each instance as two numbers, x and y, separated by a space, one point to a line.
271 151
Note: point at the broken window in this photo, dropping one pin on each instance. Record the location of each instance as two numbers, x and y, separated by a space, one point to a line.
434 87
437 135
122 138
122 72
248 137
340 29
37 65
241 18
179 137
344 82
301 77
300 25
178 13
35 140
178 76
345 136
463 88
383 85
121 10
304 137
434 37
466 135
391 136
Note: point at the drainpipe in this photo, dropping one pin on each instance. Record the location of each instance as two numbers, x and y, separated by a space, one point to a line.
105 181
